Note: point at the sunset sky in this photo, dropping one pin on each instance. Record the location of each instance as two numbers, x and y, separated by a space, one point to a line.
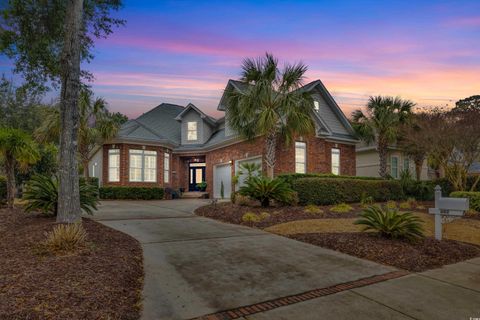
182 51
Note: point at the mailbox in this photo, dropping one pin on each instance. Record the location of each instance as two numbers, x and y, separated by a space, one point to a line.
446 207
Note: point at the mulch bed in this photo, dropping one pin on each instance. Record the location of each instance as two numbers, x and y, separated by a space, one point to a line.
424 254
233 213
103 281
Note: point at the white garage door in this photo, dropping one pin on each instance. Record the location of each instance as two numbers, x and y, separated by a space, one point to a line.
222 173
243 176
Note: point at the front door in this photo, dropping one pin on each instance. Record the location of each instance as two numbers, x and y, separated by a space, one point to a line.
196 175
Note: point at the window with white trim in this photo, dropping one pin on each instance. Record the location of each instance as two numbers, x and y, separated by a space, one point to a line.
114 165
394 166
406 165
300 157
192 130
336 161
143 165
166 167
316 105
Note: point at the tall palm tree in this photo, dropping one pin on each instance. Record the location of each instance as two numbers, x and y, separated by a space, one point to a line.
271 105
17 149
380 123
96 124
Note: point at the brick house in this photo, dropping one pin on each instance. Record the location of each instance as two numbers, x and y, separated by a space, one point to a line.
179 147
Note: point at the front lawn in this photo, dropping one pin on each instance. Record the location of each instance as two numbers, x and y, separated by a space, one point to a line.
323 226
103 280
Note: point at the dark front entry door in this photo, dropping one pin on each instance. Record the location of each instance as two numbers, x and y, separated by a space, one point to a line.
196 176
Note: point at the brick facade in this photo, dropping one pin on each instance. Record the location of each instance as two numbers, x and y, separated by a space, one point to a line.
318 160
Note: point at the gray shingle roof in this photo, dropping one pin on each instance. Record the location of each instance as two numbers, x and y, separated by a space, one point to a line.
158 124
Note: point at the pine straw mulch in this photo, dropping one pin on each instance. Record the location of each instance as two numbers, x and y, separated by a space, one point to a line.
102 281
421 255
233 213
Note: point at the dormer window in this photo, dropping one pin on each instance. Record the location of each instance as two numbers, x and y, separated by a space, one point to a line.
192 130
316 105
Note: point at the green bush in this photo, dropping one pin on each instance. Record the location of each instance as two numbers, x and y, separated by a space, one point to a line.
326 191
390 223
341 208
313 209
42 195
473 197
91 180
3 189
265 189
131 193
290 178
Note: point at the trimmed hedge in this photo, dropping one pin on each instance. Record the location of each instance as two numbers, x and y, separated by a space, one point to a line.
131 193
3 188
326 191
473 197
291 177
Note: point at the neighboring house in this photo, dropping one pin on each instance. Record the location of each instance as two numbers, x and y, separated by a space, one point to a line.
368 163
179 147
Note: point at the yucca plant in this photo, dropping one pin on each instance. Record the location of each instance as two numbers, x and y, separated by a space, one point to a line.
265 189
390 223
42 195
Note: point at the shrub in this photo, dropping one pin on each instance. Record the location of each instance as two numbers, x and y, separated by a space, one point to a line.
290 178
405 205
131 193
3 189
250 217
65 238
342 208
313 209
390 223
91 180
202 186
242 200
265 189
264 215
42 195
326 191
391 204
366 200
473 198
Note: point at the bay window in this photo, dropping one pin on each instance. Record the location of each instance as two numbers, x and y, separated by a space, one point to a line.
143 165
114 165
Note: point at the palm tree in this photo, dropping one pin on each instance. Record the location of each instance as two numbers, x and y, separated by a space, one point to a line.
381 122
17 149
96 124
271 105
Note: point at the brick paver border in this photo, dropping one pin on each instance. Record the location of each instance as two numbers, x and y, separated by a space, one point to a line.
296 298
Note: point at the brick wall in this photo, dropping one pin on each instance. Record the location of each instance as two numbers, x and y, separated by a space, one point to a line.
124 165
318 160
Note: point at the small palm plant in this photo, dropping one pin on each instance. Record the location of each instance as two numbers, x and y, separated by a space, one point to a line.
390 223
42 195
265 189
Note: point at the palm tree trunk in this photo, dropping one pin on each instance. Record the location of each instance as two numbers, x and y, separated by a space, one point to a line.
68 191
11 187
270 148
382 153
86 172
418 169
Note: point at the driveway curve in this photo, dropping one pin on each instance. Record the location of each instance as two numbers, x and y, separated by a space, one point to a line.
196 266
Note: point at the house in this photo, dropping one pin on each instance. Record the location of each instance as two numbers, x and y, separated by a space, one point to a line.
368 162
179 147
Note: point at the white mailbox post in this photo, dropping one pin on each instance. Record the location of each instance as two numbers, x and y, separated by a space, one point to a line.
449 207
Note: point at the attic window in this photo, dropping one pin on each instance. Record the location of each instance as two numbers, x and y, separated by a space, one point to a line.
316 105
191 130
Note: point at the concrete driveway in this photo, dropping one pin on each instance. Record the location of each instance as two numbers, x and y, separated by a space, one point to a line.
196 266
